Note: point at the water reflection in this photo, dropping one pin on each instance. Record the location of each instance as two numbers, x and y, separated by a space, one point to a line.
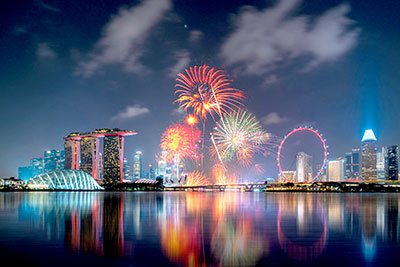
302 226
193 229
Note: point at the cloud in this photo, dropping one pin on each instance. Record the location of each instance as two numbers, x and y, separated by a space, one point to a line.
122 38
183 60
43 5
177 114
131 112
269 80
20 30
195 35
263 39
273 118
45 51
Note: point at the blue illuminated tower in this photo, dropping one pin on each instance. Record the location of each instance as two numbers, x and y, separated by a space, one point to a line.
368 148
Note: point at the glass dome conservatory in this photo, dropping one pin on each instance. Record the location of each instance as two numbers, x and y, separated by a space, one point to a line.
64 179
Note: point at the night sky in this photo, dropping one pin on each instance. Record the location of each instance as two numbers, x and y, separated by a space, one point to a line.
71 66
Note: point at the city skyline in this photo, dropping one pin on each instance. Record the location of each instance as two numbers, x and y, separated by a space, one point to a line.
54 85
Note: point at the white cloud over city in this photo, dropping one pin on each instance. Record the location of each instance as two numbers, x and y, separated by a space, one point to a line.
131 112
273 118
123 37
263 39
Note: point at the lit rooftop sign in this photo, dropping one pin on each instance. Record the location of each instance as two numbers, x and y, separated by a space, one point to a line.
368 136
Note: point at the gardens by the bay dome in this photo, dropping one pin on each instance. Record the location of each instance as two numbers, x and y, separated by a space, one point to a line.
65 180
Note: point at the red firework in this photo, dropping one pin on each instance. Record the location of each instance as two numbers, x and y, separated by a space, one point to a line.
181 140
207 90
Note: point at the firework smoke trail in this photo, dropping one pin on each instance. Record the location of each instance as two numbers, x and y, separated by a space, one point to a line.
239 136
216 150
195 178
221 176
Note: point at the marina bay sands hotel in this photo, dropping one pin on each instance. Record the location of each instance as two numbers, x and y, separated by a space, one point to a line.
82 153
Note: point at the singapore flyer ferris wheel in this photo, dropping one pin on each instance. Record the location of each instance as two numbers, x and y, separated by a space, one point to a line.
324 145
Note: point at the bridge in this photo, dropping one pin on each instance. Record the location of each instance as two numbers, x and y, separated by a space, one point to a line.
250 187
347 186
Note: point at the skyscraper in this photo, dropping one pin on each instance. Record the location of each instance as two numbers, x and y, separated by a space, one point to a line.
127 170
380 164
113 153
137 165
72 151
353 164
392 163
162 165
53 160
336 170
152 172
303 167
89 156
25 173
37 166
368 148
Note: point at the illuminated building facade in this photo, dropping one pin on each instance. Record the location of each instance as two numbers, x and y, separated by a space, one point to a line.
380 164
290 175
82 151
336 170
151 174
369 156
392 163
89 156
53 159
303 167
24 173
353 164
138 165
37 165
113 159
72 146
126 170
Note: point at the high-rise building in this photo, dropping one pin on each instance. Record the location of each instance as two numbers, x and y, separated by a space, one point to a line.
112 158
37 166
368 148
303 167
72 146
336 170
25 173
380 164
162 164
53 160
100 167
290 176
112 168
89 156
353 164
152 172
137 165
127 170
392 163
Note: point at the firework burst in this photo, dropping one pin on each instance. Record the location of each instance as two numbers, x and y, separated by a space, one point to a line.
195 178
238 135
181 140
207 91
221 176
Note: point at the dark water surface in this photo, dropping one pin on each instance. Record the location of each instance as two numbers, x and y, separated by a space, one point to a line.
209 229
